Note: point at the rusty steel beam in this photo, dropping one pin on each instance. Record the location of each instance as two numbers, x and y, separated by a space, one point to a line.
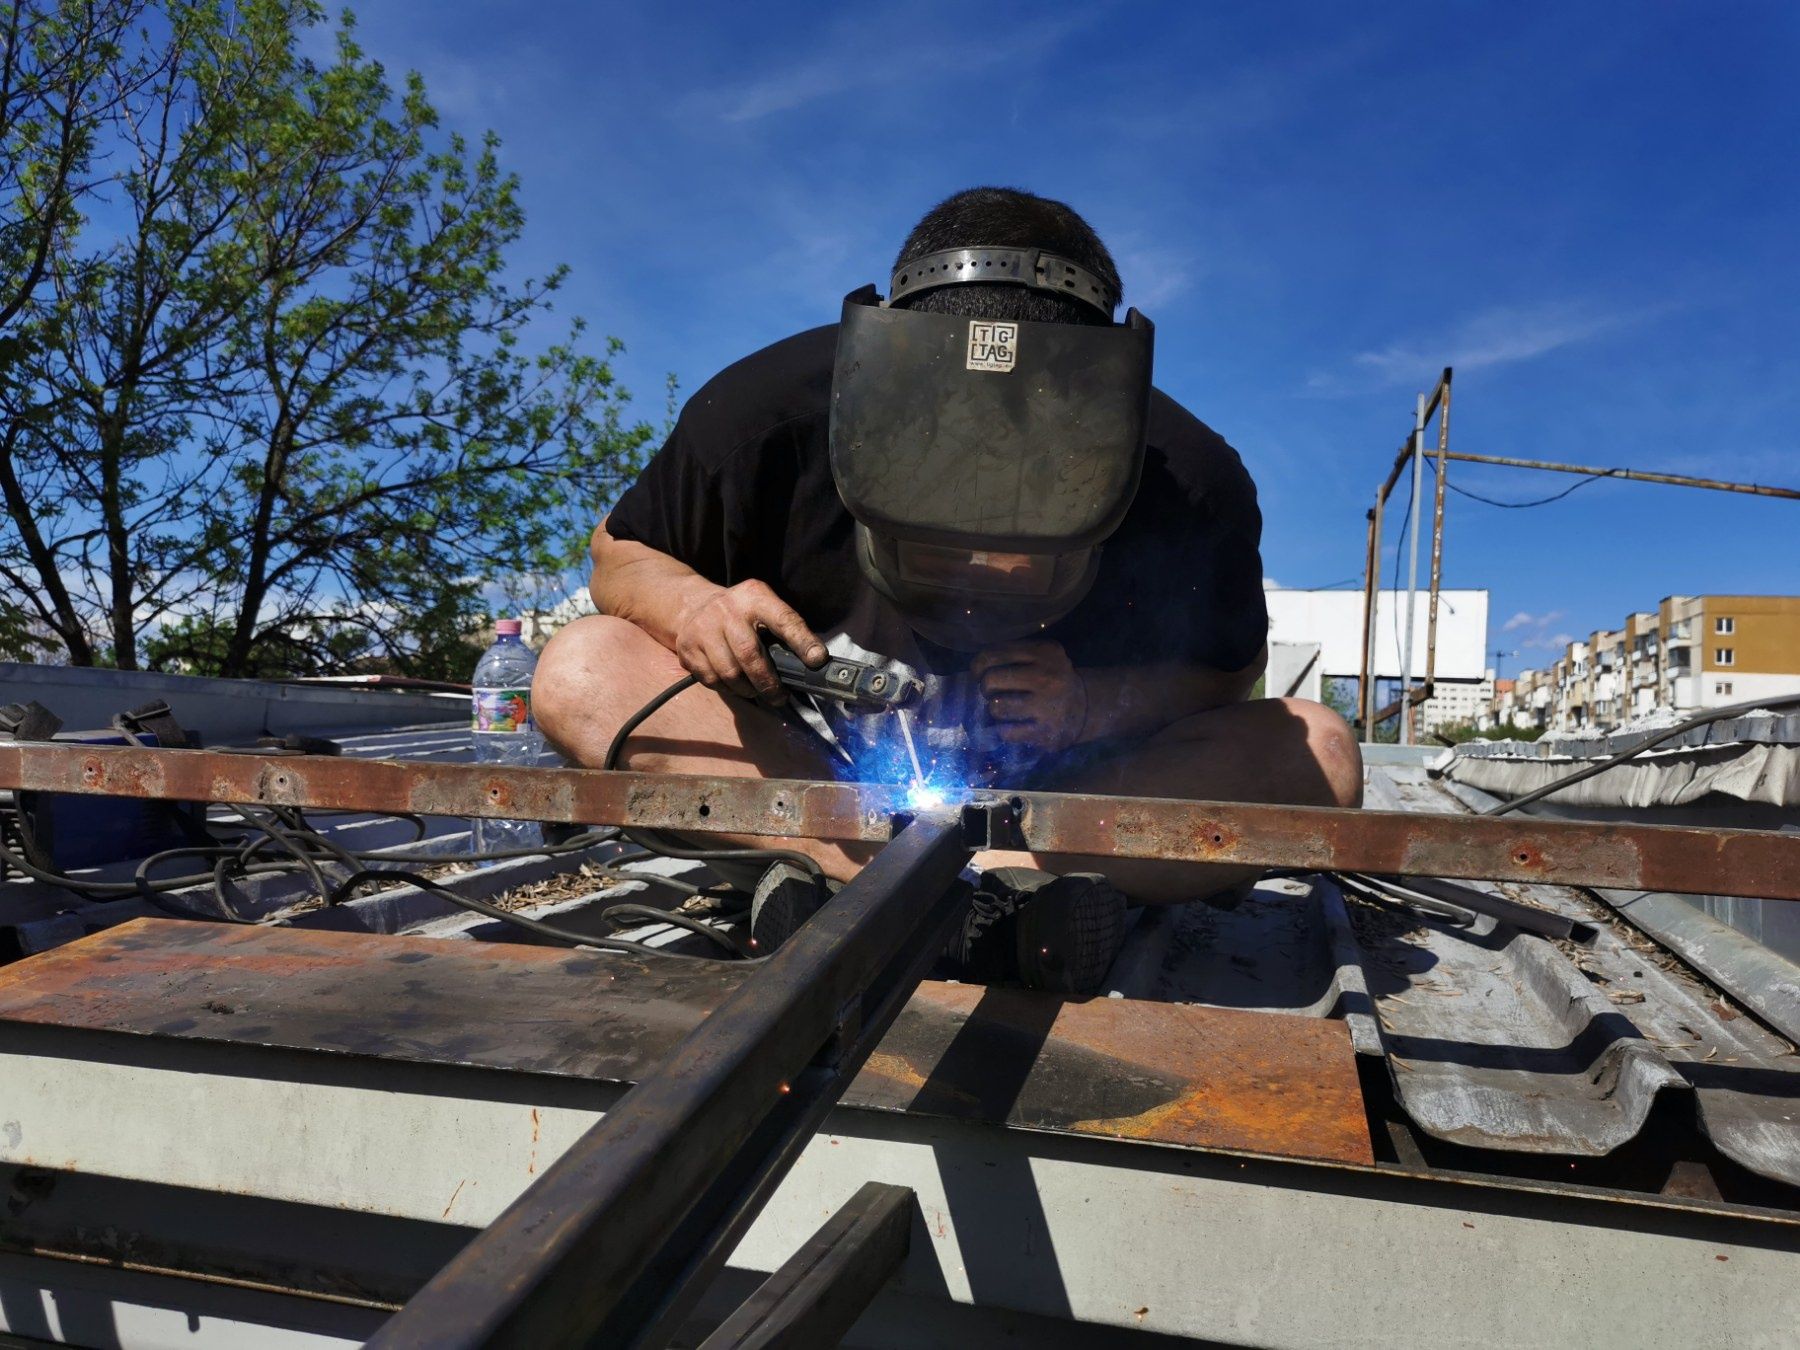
1760 864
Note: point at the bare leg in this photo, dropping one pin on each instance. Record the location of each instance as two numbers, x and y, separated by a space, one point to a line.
598 671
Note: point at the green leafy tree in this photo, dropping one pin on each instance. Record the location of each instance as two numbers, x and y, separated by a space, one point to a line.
275 408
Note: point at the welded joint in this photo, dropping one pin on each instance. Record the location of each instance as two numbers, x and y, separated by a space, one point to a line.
987 823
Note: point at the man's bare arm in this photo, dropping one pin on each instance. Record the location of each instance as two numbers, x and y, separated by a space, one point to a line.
1134 701
1040 698
712 628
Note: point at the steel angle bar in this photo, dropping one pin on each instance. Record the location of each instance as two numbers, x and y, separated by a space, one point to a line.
822 1289
612 1244
1759 864
1527 918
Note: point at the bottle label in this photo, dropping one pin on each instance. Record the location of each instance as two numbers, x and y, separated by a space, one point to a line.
502 710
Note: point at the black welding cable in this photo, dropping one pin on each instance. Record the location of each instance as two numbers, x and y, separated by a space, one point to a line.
114 890
631 915
1668 733
642 715
611 944
151 896
298 847
656 843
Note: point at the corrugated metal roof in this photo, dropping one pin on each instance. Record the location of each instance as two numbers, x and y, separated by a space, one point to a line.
1493 1038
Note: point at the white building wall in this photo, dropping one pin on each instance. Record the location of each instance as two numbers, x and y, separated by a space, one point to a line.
1334 620
1294 671
1745 685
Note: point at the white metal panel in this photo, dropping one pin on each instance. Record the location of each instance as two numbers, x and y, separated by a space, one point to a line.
1334 620
1099 1231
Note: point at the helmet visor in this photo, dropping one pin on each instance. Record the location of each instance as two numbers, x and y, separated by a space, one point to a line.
977 571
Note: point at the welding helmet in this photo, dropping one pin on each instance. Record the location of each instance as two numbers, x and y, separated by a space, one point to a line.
985 461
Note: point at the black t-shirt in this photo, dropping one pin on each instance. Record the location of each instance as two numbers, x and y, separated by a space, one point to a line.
743 490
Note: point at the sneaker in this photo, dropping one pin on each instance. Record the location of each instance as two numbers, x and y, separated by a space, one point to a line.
786 897
1057 933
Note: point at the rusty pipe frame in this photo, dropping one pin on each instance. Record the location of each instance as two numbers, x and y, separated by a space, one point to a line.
1437 531
1634 475
1365 689
1369 717
1759 864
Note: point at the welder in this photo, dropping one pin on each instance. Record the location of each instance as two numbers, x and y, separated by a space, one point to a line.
971 475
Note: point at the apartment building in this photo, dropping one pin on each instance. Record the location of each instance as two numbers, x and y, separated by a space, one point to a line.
1690 653
1609 676
1456 703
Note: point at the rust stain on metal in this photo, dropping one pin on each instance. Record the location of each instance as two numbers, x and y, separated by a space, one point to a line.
1162 1073
1155 1072
1761 864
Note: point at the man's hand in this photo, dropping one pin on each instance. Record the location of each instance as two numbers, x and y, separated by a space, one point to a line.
716 639
1034 693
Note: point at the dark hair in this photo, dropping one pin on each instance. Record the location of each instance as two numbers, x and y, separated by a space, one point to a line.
999 217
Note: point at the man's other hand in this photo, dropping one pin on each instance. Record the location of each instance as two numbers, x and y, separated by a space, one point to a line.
1033 693
716 639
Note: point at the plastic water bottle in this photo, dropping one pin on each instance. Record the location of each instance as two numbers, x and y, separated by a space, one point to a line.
501 725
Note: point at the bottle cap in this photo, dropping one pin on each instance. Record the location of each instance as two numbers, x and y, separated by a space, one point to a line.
507 627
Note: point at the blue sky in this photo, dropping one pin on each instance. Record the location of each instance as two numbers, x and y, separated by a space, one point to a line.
1590 210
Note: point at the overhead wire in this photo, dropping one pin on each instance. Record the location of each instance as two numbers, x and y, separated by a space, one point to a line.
1519 506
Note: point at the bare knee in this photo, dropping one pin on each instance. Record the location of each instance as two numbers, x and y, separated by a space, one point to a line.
1332 746
590 668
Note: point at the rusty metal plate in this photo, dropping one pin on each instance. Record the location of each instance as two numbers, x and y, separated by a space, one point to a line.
1159 1073
1171 1073
427 1000
1762 864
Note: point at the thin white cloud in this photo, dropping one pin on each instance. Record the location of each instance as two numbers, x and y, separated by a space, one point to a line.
1501 335
863 56
1527 620
1153 275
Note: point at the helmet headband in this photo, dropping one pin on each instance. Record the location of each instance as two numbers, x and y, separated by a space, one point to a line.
1000 266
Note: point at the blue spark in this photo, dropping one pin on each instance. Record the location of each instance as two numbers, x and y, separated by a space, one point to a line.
924 796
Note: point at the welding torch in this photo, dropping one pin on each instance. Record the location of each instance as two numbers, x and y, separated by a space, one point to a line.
860 685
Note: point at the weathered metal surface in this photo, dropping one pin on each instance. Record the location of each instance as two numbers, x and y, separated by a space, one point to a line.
1762 864
820 1291
1499 1039
1492 1039
511 1006
1171 1073
615 1241
1165 1073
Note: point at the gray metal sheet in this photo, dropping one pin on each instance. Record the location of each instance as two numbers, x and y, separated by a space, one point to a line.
1508 1041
